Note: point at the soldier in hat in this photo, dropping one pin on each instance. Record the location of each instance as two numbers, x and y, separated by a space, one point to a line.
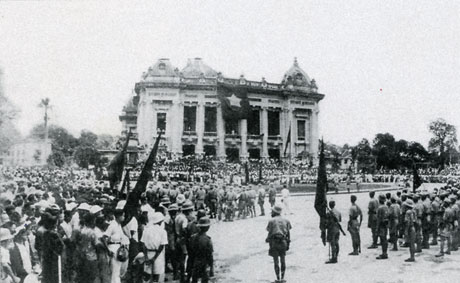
279 240
181 223
410 219
372 220
201 250
418 208
436 215
393 217
446 227
382 226
354 223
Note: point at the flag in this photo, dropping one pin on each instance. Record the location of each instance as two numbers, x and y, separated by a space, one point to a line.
234 101
417 182
288 140
132 201
116 165
260 173
321 189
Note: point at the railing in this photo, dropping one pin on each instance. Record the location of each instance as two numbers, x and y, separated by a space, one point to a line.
189 133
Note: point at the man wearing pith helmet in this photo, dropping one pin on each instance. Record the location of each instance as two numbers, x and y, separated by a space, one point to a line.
278 239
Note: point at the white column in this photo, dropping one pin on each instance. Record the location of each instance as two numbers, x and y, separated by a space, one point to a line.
220 133
265 132
177 123
244 137
199 129
284 130
314 141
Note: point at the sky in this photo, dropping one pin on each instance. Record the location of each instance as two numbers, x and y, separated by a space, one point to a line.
384 66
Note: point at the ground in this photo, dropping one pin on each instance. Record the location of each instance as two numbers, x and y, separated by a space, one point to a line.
241 253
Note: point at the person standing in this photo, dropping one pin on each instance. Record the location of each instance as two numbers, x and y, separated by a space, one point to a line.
382 226
354 223
201 250
372 218
426 221
436 216
418 208
261 200
116 239
285 200
333 219
393 217
279 239
410 219
272 195
446 227
154 240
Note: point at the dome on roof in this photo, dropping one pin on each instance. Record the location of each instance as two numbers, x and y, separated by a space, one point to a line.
196 68
162 68
296 76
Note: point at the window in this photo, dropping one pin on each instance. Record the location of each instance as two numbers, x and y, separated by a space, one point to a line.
189 118
254 122
210 118
301 130
161 121
231 127
273 123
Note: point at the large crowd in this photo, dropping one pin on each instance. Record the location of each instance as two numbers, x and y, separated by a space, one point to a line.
65 225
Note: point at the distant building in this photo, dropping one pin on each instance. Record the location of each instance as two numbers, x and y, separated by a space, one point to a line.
28 153
204 113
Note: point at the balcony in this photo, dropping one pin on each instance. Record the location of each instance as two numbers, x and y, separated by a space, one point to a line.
189 133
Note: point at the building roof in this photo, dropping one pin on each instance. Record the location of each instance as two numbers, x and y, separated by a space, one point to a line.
296 76
197 68
162 68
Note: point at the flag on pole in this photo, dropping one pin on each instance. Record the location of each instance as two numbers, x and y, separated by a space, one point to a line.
288 140
417 182
117 164
132 201
321 189
246 172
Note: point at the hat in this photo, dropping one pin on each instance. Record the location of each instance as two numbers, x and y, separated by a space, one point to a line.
4 219
156 217
201 213
188 205
409 203
173 207
277 209
84 206
204 222
165 200
5 234
95 209
382 197
70 206
120 205
180 199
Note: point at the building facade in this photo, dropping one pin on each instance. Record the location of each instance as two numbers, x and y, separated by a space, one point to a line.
29 152
281 122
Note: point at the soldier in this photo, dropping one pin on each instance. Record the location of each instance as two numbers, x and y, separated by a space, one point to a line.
393 217
382 226
242 204
435 217
354 224
212 200
251 200
201 250
279 240
426 220
446 226
181 224
230 204
333 219
372 220
418 207
261 200
455 209
272 195
409 219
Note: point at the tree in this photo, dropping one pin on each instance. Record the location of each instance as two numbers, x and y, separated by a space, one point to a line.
8 113
384 150
87 138
61 139
86 155
105 142
444 138
417 152
362 153
57 158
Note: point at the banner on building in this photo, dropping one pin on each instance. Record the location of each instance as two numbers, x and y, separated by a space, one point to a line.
234 101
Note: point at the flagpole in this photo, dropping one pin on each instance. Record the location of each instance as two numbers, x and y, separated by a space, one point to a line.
290 157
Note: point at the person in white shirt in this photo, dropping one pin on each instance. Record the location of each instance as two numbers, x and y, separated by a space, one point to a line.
6 243
115 239
285 199
154 240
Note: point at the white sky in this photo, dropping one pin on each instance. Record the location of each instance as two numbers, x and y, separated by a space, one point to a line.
86 57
